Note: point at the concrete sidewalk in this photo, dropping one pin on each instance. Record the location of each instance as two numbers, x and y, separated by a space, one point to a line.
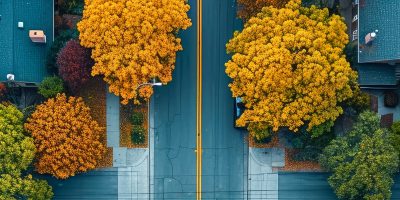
133 178
262 181
132 164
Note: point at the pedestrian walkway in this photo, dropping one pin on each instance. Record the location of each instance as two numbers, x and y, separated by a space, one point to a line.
262 180
133 178
112 116
132 164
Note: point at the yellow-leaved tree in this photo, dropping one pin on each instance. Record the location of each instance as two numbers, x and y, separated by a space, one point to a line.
67 138
133 41
288 66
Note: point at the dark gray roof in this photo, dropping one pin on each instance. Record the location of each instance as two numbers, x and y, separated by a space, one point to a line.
18 55
384 16
376 74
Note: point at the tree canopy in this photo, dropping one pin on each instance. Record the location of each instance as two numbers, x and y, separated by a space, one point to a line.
363 162
66 137
289 68
133 41
16 154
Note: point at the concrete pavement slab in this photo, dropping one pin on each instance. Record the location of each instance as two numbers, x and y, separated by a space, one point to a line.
112 117
262 182
174 124
134 157
119 156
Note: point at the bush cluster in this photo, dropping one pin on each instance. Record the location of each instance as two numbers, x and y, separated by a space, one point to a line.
74 64
138 130
51 86
138 134
309 145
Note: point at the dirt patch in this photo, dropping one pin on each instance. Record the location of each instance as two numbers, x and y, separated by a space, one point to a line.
273 143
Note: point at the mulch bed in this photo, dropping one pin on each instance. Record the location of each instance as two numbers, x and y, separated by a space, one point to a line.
290 163
93 93
303 166
126 126
273 143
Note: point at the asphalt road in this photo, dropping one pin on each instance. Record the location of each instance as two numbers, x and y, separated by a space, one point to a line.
224 150
175 124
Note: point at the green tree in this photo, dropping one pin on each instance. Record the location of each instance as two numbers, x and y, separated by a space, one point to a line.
51 86
16 154
395 136
363 162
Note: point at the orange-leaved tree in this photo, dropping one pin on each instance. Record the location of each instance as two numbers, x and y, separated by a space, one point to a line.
66 137
288 66
133 42
250 8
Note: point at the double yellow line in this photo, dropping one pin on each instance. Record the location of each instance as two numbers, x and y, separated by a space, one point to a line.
199 100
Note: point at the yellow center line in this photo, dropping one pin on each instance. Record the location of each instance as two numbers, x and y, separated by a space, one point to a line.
199 101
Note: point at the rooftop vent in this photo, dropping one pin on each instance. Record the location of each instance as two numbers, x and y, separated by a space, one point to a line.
37 36
10 77
370 37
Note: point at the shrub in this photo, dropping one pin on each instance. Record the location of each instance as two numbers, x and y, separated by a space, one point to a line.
58 44
395 136
74 64
137 118
67 138
51 86
138 134
309 153
310 145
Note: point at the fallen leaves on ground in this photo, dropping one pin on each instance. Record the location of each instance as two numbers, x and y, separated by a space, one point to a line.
292 165
93 93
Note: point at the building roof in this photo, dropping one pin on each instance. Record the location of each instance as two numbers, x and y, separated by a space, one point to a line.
18 54
376 75
381 15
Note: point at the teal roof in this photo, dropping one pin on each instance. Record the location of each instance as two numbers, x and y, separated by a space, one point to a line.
18 55
376 75
381 15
